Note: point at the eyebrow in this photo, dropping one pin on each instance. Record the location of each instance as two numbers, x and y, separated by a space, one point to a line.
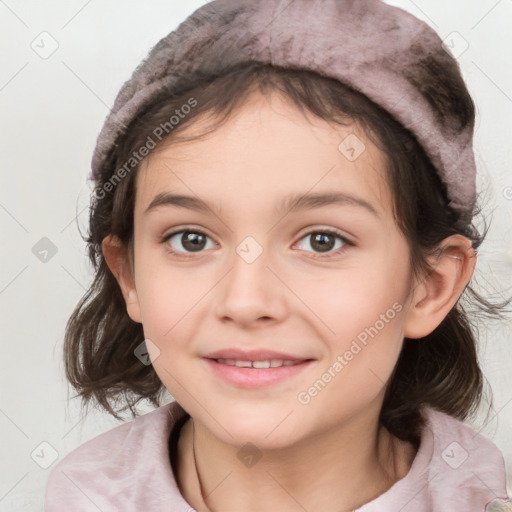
291 203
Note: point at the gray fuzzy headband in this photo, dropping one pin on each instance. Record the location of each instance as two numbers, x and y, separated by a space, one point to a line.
393 58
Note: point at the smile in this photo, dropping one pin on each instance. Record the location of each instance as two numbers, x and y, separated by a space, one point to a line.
269 363
255 374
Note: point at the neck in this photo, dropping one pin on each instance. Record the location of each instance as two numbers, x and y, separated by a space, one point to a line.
339 470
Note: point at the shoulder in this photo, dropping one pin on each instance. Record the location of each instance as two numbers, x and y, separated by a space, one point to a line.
455 468
466 468
110 469
458 444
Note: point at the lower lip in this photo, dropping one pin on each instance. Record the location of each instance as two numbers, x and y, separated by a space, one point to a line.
255 377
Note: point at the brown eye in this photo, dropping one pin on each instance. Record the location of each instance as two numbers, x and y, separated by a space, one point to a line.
326 241
189 240
322 242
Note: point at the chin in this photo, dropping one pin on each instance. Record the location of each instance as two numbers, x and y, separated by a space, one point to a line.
265 429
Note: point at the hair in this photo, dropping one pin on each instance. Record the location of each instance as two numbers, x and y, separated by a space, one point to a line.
440 370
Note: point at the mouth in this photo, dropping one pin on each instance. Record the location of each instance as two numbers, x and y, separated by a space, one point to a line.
267 363
245 373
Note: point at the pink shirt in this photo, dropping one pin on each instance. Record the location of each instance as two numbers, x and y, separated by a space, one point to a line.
128 469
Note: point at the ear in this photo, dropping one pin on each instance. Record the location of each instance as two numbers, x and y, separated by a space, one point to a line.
117 259
436 294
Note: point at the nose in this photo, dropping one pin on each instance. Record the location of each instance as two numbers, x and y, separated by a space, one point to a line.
251 292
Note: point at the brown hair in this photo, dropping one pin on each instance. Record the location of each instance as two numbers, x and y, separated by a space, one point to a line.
440 370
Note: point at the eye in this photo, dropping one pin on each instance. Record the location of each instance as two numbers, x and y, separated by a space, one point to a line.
192 240
324 241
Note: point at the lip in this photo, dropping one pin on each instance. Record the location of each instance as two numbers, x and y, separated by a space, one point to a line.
252 355
251 378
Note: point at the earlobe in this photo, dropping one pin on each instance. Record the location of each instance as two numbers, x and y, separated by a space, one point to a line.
132 306
437 293
117 260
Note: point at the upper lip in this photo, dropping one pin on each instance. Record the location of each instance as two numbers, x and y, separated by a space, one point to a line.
252 355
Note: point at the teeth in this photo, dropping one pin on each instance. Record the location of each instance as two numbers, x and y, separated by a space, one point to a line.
273 363
261 364
243 364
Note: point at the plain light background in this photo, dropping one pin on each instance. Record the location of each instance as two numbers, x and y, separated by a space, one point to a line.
52 108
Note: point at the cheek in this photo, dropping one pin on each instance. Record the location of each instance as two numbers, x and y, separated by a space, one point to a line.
163 299
168 302
165 290
363 310
350 299
361 355
171 299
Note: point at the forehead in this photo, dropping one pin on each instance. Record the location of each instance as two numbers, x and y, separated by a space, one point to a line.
266 151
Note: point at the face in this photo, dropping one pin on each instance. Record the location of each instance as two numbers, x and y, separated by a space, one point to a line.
324 285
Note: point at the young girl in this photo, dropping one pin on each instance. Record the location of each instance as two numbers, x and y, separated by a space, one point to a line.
282 230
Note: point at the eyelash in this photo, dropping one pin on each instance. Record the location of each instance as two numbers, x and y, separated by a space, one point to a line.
337 234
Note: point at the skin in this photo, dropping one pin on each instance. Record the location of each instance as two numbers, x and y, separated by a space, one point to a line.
330 454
